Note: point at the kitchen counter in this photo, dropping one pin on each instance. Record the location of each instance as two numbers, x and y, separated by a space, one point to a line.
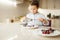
14 31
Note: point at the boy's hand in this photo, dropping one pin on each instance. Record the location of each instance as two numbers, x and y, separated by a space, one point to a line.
23 18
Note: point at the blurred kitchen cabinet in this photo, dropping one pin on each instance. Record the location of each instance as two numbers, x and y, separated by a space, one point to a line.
50 4
57 4
55 23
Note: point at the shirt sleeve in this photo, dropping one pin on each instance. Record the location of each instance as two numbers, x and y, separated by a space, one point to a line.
28 15
42 16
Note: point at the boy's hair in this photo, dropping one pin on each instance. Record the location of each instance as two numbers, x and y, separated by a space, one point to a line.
35 2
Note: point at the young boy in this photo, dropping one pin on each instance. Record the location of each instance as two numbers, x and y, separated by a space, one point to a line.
35 16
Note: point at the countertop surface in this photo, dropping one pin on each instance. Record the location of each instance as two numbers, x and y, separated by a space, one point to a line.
14 31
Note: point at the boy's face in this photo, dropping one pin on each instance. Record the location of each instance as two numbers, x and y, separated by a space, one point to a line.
33 9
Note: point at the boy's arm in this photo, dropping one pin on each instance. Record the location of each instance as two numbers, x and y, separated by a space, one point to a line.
42 20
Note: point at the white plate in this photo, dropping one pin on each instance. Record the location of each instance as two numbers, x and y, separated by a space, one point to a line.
55 33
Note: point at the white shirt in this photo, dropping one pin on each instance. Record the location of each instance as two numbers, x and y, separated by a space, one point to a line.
35 17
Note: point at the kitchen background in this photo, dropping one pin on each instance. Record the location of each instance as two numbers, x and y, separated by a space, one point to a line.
9 10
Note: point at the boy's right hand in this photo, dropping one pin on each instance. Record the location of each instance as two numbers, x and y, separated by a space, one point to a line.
23 18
